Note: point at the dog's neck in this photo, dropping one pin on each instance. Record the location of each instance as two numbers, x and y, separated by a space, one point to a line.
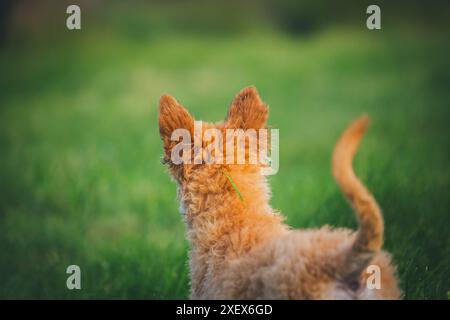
228 218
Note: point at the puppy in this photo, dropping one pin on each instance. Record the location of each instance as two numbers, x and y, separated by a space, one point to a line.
240 247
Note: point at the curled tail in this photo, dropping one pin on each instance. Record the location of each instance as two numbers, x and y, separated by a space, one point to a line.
369 237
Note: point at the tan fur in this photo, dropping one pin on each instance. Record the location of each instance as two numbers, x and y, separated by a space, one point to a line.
243 250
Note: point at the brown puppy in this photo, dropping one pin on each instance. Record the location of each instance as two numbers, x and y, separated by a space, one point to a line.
243 250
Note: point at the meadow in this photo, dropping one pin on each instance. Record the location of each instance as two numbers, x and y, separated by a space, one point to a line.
80 175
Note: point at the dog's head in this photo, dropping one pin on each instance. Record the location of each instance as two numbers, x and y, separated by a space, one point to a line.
206 153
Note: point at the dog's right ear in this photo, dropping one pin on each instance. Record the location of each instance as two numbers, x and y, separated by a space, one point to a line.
172 116
247 111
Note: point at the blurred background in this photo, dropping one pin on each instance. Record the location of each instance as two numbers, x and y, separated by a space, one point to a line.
80 174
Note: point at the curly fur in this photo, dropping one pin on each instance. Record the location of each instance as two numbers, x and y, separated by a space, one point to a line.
243 250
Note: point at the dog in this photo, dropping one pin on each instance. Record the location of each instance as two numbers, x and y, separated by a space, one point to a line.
243 250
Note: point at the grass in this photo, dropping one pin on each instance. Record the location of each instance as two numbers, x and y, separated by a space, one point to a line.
80 174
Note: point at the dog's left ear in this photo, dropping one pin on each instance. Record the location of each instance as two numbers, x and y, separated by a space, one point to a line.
172 116
247 111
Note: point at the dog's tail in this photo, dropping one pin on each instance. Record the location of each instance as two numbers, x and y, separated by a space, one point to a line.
369 237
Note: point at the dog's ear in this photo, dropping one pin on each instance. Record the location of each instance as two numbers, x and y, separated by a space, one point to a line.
172 116
247 111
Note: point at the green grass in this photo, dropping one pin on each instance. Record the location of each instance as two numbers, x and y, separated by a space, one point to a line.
80 174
